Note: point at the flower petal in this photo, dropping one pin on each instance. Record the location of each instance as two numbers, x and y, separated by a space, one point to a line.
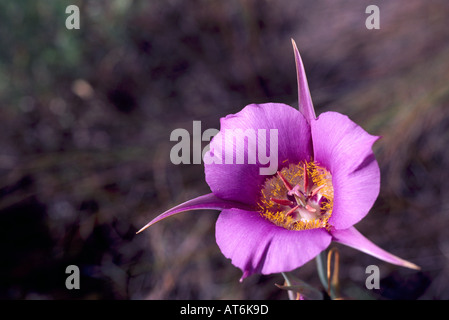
255 245
305 104
345 149
205 202
353 238
242 181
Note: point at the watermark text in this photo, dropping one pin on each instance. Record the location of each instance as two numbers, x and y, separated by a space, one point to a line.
230 146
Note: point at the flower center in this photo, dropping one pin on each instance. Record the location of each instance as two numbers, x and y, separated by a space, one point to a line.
299 197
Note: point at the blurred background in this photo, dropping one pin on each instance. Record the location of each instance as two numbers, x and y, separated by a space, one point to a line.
86 117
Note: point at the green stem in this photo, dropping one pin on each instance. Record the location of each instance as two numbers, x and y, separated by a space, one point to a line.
291 294
322 268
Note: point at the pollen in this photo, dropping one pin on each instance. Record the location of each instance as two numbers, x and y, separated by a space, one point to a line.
299 197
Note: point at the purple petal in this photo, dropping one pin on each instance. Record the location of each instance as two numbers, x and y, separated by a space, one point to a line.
345 149
304 98
242 182
255 245
353 238
205 202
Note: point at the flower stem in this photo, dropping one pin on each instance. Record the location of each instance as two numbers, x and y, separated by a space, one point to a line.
322 268
329 280
291 294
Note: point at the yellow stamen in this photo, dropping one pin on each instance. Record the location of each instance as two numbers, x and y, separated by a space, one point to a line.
308 210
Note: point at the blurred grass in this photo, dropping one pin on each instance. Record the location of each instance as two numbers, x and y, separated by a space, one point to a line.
86 117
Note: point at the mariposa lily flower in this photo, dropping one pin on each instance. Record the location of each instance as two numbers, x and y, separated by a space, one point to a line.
327 180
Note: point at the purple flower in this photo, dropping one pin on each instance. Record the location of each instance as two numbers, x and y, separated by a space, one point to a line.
327 180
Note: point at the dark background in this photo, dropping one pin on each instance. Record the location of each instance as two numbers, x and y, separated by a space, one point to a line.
86 116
